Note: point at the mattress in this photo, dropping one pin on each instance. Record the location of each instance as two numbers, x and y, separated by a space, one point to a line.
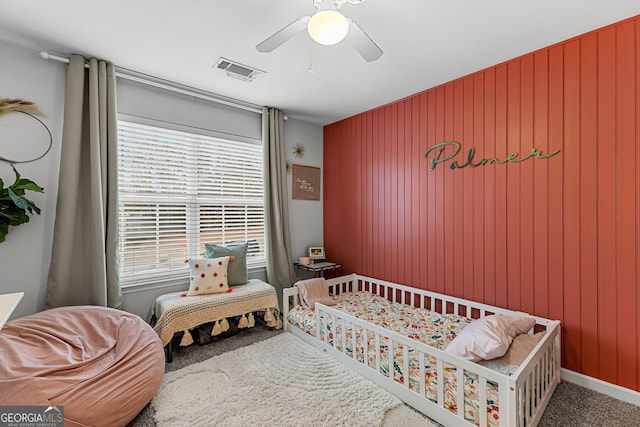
429 327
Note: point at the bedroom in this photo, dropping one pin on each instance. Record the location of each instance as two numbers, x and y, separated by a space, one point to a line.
25 261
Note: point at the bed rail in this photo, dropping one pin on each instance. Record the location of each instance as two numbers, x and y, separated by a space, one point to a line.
444 304
522 396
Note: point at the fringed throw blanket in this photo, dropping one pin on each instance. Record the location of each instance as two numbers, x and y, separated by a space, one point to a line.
312 291
173 313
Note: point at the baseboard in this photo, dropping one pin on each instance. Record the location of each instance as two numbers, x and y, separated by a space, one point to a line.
615 391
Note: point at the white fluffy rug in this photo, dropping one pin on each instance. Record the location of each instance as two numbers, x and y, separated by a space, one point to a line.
281 381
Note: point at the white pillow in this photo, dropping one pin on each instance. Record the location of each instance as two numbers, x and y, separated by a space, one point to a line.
208 276
488 337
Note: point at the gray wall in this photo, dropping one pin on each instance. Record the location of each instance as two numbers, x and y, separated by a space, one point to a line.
305 216
26 254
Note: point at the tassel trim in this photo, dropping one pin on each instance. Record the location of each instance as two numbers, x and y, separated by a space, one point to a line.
224 325
217 329
187 339
251 321
243 323
268 316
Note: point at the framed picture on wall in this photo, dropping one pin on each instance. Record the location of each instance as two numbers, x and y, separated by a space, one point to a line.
306 182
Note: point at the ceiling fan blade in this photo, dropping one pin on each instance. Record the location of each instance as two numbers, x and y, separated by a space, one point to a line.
283 35
362 42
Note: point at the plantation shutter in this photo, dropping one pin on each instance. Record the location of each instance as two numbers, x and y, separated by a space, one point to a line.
180 190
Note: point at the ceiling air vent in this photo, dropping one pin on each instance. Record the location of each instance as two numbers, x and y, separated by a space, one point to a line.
238 71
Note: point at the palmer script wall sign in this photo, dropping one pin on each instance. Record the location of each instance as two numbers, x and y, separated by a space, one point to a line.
511 158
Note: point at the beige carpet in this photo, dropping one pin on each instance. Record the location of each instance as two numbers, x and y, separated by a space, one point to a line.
280 381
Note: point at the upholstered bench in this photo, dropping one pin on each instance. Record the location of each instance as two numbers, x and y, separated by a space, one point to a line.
173 313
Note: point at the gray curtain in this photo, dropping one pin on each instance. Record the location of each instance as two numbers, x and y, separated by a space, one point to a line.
280 271
84 255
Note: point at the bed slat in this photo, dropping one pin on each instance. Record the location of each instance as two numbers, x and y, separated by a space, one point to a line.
344 336
482 402
405 365
365 348
353 342
440 371
377 353
390 360
460 391
423 383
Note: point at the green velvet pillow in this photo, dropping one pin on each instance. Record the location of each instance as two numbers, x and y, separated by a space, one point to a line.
238 267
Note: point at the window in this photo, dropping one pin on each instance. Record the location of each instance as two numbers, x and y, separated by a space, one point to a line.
179 190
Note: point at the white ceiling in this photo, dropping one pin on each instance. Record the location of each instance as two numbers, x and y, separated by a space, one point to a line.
425 43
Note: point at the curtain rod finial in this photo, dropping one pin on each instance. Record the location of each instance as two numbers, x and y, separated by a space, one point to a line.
45 55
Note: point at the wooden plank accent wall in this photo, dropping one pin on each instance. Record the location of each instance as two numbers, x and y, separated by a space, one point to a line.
556 237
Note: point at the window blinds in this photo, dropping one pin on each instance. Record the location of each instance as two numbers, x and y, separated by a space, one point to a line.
180 190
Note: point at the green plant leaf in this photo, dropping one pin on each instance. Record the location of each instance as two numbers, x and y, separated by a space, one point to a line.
14 206
5 217
32 207
18 191
17 174
27 184
4 229
18 219
17 200
15 215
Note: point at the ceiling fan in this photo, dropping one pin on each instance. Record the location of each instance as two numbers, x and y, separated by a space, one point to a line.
328 27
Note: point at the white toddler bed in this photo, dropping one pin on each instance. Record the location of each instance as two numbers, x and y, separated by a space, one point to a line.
513 396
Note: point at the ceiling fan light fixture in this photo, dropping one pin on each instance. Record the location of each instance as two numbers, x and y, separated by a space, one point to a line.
328 27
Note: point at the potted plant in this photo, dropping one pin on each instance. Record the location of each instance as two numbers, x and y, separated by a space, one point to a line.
14 205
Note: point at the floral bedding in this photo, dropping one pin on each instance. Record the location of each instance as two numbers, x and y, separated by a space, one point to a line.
429 327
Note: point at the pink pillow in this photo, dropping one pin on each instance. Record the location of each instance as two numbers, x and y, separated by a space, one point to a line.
488 337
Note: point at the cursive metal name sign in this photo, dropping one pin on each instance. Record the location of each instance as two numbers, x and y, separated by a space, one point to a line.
511 158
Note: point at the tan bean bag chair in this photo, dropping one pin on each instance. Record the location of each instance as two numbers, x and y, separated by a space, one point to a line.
103 365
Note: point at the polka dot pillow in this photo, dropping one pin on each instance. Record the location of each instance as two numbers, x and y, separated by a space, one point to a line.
208 275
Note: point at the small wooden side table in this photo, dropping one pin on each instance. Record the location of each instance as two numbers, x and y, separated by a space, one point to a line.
319 268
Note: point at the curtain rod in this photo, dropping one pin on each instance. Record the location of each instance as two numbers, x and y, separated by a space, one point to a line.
168 85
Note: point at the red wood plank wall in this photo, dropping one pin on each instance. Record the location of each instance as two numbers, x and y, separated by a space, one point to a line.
555 237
